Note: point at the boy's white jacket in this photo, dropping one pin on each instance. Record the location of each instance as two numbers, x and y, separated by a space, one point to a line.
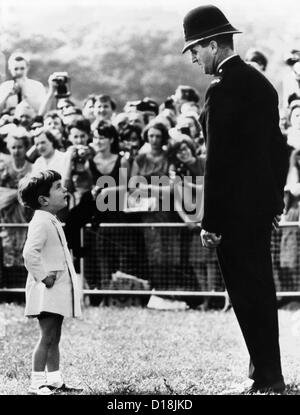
46 250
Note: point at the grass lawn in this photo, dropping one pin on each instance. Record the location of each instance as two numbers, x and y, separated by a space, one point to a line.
143 351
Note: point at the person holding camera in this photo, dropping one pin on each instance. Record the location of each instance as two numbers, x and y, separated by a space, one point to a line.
21 88
130 142
188 124
58 87
78 178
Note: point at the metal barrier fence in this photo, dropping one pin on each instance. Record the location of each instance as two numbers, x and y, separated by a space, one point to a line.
168 258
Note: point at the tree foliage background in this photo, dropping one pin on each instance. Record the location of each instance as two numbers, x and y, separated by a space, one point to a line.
132 52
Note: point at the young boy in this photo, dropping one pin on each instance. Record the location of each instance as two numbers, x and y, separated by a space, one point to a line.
52 289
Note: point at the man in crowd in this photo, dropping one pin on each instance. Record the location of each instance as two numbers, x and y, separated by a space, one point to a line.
20 87
244 179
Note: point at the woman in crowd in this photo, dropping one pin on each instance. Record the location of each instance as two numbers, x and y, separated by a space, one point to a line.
196 262
109 166
107 161
50 157
11 171
153 165
78 176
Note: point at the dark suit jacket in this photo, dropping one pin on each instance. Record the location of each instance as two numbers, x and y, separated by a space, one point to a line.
247 158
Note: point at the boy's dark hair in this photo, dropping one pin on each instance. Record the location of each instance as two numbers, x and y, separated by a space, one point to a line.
31 187
81 124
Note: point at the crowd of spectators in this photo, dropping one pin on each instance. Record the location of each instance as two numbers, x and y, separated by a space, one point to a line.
45 129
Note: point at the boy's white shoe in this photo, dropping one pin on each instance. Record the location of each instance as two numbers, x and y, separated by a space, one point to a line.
39 390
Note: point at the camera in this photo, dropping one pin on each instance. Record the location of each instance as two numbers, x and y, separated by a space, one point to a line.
292 58
62 81
185 130
82 154
170 103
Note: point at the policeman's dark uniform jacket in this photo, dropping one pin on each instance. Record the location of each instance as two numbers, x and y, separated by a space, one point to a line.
246 154
245 174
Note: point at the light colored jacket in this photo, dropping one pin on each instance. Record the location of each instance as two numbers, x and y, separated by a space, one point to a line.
46 251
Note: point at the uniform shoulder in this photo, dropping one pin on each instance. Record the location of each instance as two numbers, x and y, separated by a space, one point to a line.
215 84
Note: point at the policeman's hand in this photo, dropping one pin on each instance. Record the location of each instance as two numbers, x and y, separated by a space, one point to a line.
209 239
275 223
49 280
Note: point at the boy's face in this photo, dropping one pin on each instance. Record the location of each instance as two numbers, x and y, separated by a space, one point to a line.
57 198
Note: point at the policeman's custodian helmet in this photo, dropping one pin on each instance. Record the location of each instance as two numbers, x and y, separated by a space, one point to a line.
204 22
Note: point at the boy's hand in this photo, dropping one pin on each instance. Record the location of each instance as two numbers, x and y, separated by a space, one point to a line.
50 280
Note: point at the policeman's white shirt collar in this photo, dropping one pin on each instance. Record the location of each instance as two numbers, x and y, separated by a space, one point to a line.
225 60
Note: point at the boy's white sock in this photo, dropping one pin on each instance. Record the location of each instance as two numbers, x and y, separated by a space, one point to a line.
54 378
38 379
